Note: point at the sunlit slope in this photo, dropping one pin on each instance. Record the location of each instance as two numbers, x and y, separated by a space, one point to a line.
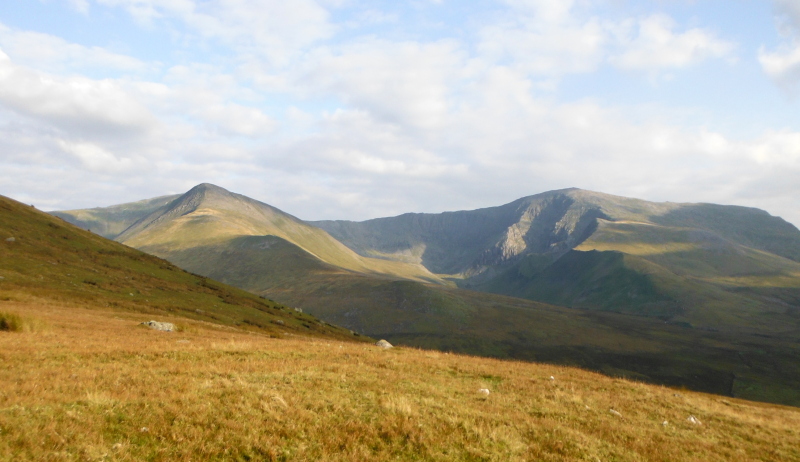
45 261
209 215
111 221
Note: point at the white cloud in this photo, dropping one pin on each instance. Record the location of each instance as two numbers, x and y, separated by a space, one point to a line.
72 103
658 46
777 148
50 53
783 66
97 159
544 10
407 83
544 38
146 11
272 28
81 6
546 49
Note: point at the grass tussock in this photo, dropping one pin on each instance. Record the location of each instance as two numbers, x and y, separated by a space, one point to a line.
11 322
103 389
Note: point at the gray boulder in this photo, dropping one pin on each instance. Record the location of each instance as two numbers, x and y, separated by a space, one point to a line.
383 344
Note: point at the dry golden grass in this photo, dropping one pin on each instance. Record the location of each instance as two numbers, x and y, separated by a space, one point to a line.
97 386
12 322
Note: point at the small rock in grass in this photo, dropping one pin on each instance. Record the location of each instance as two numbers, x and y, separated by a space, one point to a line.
664 423
693 420
552 378
615 412
144 430
484 391
162 326
10 239
383 344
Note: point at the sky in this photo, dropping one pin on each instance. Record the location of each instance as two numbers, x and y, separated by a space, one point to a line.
351 109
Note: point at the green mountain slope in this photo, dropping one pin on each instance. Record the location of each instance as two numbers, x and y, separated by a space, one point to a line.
722 267
44 260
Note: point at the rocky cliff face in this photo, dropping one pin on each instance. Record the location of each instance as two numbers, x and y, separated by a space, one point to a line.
470 242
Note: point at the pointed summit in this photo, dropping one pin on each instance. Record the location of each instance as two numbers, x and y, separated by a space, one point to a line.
206 200
209 190
208 216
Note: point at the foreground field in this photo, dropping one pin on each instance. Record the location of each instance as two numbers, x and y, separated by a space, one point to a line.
91 384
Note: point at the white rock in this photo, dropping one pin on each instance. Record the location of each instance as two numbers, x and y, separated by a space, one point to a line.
162 326
10 239
383 344
615 412
484 391
665 423
552 378
693 420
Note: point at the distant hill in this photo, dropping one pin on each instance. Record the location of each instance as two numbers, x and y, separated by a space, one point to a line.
46 261
212 217
111 221
534 247
706 265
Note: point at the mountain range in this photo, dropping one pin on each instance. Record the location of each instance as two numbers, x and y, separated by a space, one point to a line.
242 377
700 295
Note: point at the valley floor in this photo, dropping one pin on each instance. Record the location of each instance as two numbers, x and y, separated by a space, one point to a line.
87 384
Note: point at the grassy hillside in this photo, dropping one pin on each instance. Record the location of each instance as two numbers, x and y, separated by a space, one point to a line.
44 260
103 388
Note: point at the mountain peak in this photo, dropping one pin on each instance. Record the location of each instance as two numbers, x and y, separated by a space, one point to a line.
203 187
207 190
